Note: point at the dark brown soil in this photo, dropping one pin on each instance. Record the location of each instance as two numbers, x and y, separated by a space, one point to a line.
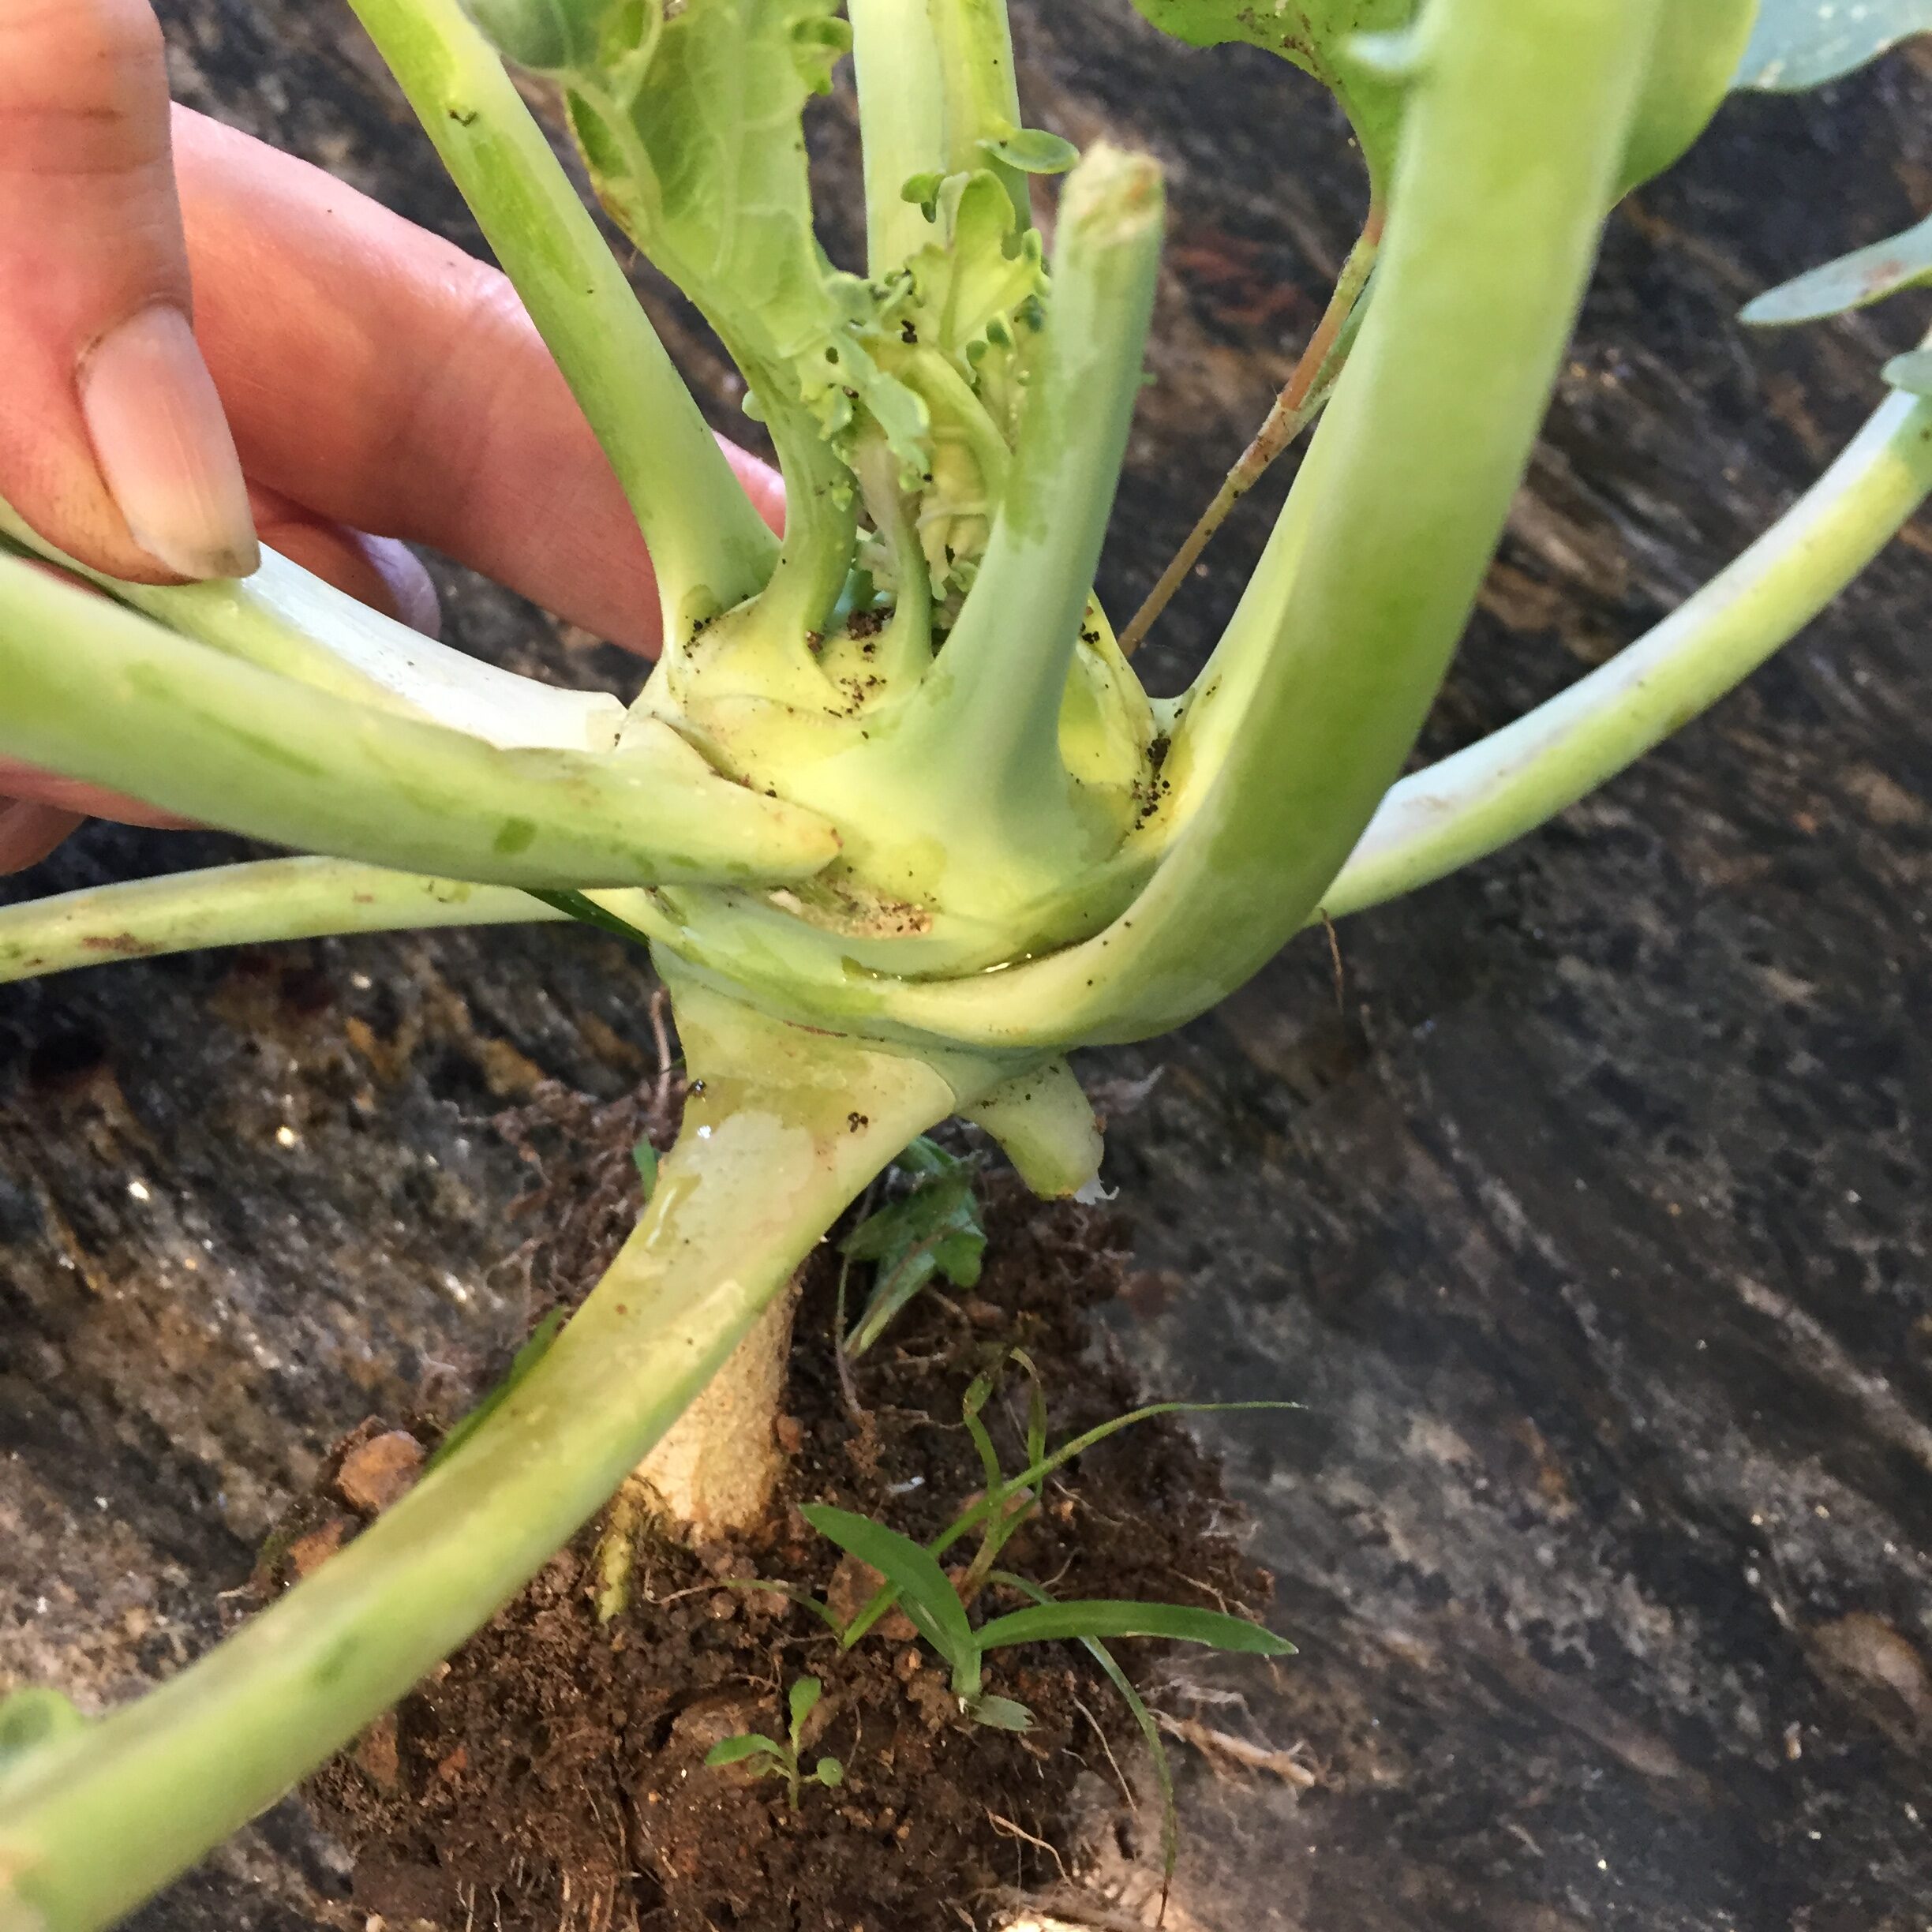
552 1775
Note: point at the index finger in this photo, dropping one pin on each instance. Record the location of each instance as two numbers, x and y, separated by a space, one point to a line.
380 376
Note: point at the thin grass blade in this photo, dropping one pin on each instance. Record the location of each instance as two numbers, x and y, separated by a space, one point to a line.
924 1593
1106 1617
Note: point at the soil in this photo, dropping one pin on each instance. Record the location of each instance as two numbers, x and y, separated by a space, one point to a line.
552 1774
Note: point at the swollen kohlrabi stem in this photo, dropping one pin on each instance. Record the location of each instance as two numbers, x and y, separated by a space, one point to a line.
125 704
788 1127
979 90
901 122
286 620
1428 825
1514 131
1471 803
709 545
983 731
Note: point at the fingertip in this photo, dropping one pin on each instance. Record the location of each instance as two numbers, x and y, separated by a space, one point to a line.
113 442
761 483
29 831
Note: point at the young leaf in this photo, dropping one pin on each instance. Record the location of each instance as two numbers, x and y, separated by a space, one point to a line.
1040 1467
1015 1501
978 1392
802 1702
999 1714
689 122
1912 371
1143 1717
1853 281
1047 1623
925 1594
646 1157
960 322
934 1230
1802 43
923 189
829 1773
1315 35
1032 150
735 1749
1036 1407
1043 1467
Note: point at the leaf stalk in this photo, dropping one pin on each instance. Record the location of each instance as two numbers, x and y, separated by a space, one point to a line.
708 544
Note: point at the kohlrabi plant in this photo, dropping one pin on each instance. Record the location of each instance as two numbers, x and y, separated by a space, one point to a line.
895 817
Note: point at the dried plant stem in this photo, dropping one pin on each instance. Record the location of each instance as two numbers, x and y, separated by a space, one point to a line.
1300 401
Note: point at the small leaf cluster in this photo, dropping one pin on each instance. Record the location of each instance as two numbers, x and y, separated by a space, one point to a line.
767 1757
935 1228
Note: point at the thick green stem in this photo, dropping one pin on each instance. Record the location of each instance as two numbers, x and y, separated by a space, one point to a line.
787 1127
821 529
979 90
983 735
1512 782
256 904
709 544
286 620
121 702
904 652
901 111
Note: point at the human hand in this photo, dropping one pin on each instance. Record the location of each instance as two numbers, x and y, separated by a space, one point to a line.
350 382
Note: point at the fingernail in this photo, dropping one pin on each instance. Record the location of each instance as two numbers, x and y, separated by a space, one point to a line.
164 448
412 593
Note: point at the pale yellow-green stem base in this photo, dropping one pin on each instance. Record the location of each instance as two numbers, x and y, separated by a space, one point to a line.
717 1468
